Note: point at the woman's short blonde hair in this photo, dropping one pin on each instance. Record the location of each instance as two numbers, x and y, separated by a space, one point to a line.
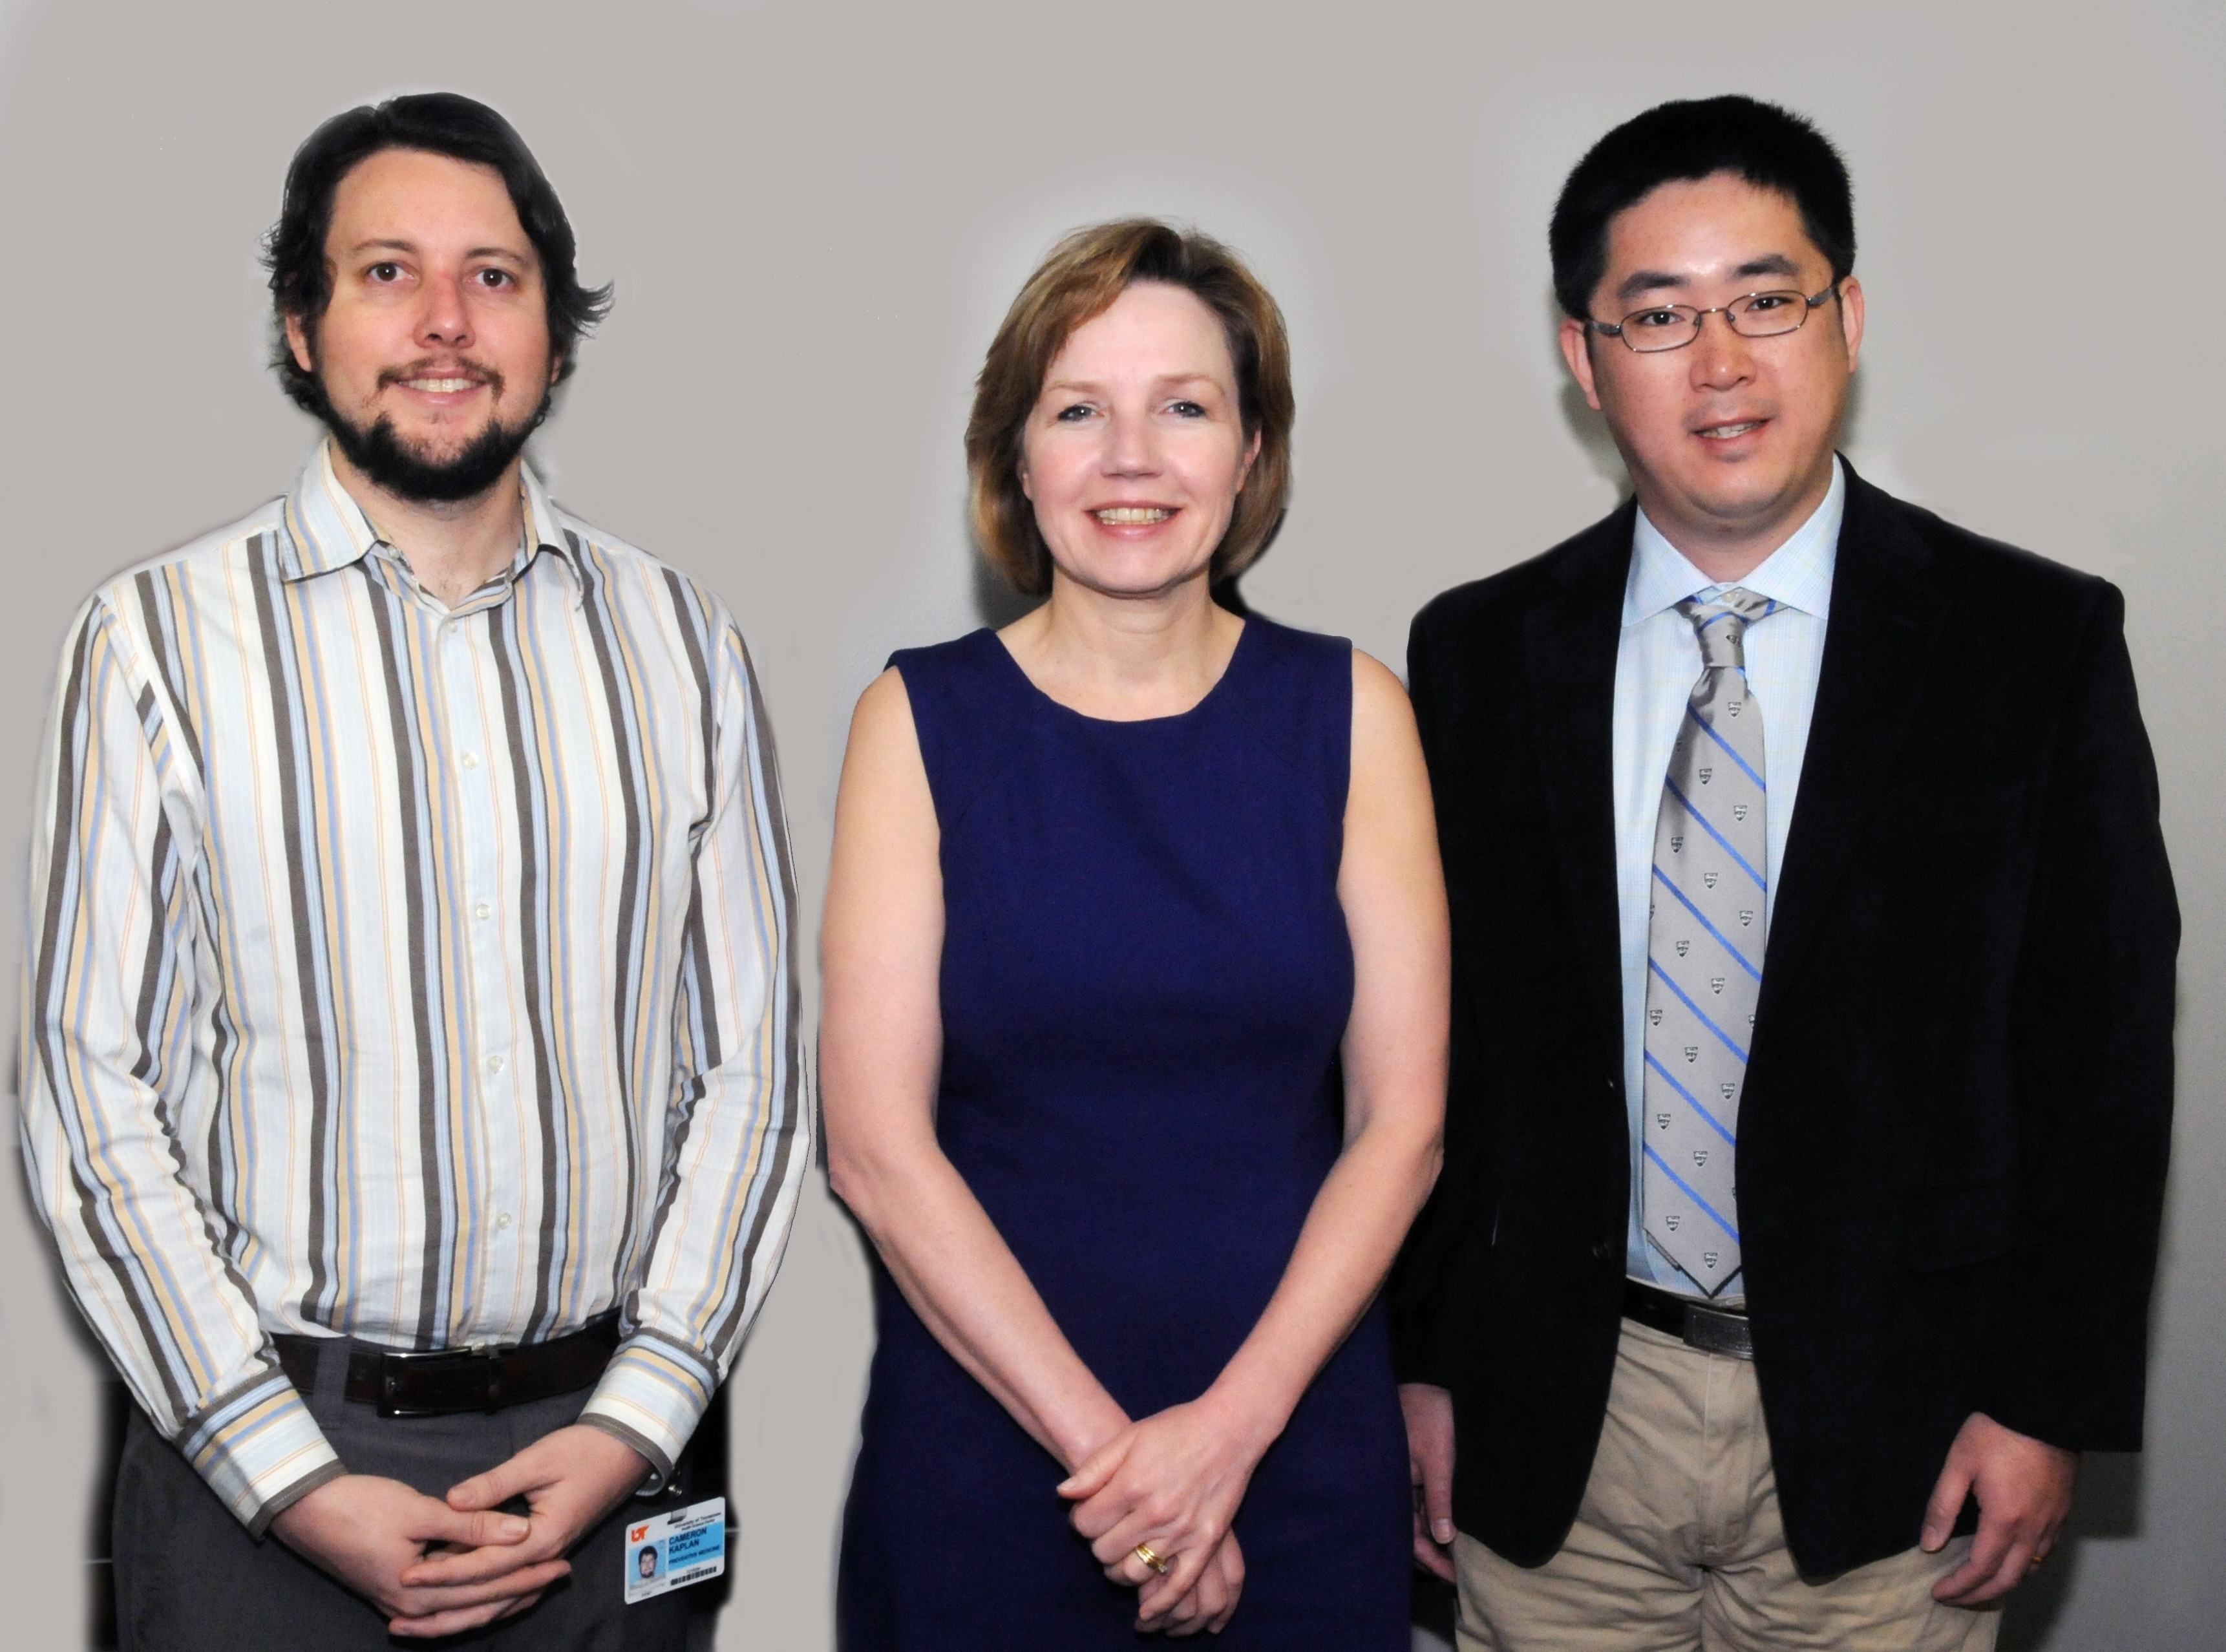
1079 280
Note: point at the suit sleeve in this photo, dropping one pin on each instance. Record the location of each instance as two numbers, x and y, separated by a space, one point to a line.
2093 1019
1422 1291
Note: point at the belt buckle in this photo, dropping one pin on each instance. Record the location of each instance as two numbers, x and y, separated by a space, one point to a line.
1713 1332
392 1366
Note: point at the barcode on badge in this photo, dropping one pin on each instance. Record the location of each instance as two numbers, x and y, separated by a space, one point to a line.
673 1550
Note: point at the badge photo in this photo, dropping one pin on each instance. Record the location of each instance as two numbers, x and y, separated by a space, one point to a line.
674 1549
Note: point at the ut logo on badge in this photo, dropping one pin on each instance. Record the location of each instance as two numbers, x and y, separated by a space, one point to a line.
637 1534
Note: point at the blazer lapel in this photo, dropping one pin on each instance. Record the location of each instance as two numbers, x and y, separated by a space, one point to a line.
1570 645
1887 614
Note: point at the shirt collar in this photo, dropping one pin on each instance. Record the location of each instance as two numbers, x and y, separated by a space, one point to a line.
1798 574
326 529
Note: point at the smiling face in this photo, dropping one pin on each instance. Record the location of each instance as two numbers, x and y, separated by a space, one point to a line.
1136 451
1729 440
433 350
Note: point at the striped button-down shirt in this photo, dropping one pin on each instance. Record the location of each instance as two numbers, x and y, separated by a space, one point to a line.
414 973
1656 663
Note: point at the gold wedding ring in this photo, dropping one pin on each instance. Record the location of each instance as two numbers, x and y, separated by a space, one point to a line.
1152 1558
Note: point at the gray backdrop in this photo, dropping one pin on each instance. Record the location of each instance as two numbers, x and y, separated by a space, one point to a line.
815 215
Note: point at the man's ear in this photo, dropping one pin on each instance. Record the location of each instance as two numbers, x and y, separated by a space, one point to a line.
1577 351
1851 318
299 344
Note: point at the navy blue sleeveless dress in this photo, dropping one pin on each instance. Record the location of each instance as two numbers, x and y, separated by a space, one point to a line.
1146 976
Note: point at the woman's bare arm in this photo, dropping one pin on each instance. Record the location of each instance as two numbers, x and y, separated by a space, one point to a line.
881 1045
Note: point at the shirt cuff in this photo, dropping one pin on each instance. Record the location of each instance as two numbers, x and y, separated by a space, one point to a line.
651 1396
260 1449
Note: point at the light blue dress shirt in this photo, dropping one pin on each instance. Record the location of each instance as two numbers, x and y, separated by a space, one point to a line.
1656 663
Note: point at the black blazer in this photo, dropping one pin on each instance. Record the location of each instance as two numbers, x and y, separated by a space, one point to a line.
1952 1142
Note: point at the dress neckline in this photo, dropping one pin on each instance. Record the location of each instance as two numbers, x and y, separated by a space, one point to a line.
1236 657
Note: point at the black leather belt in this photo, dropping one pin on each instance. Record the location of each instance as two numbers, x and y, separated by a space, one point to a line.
452 1380
1712 1330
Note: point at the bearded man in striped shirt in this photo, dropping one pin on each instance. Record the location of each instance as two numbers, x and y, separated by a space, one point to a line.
410 1071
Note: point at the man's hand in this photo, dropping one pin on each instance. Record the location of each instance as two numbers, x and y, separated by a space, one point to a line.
1429 1412
2024 1489
570 1479
369 1533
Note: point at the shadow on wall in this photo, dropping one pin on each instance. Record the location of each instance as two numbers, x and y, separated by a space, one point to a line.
1591 431
2109 1506
996 602
114 1411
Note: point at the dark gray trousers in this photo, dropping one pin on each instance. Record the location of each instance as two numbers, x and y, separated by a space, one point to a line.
189 1578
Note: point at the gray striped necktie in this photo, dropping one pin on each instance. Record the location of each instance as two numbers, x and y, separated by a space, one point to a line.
1704 949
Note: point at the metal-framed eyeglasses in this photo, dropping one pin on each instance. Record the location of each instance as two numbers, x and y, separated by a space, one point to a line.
1755 315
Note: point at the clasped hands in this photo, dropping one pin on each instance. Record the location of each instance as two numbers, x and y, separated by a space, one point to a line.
438 1568
1172 1480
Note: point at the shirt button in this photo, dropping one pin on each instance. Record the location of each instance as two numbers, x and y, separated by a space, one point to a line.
471 760
483 911
494 1064
502 1219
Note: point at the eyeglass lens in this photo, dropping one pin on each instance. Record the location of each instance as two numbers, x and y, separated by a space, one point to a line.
1758 315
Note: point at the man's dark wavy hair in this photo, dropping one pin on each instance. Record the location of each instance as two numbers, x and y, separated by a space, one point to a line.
1772 148
439 123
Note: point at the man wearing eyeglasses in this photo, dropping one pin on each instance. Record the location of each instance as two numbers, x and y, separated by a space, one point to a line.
1813 956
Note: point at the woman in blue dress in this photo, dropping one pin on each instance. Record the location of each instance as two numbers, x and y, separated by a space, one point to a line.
1133 1052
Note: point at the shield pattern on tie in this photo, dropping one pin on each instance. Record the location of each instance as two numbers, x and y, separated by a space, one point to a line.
1704 951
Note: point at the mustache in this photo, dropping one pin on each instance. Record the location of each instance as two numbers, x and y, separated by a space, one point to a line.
436 367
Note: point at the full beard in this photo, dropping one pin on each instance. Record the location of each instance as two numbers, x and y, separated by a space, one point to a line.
378 452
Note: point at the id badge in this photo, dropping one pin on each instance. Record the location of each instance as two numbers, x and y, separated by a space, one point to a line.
673 1550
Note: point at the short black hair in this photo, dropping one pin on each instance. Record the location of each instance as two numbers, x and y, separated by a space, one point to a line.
1772 148
438 123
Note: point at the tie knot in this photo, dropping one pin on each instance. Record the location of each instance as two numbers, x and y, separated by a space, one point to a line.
1721 623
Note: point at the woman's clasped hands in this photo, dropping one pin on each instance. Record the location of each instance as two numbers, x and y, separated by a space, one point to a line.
1170 1483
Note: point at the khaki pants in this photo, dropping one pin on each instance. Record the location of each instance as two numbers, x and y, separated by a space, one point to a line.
1678 1544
